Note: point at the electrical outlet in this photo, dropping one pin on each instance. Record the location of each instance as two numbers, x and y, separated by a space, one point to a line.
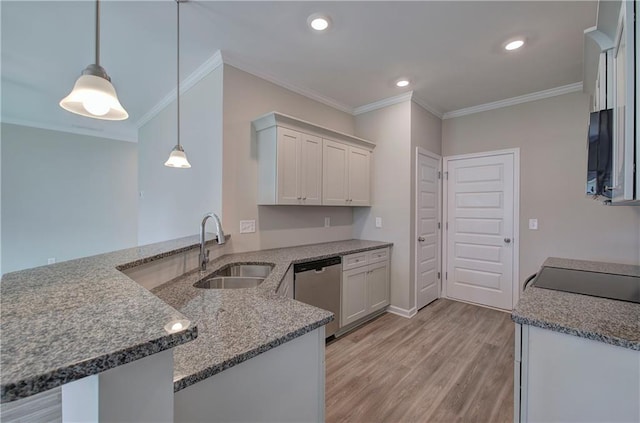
378 222
533 224
51 260
141 194
247 226
327 222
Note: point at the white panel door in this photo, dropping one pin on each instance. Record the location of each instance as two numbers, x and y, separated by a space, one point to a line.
311 171
427 232
359 177
288 166
480 227
335 175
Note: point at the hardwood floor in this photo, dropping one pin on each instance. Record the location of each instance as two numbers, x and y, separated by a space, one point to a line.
452 362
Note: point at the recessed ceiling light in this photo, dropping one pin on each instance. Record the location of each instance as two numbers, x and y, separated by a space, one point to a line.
514 45
319 22
402 83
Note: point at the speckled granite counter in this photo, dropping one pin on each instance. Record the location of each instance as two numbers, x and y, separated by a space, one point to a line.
609 321
62 322
237 324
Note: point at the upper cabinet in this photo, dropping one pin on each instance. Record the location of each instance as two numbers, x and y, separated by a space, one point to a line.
611 76
300 163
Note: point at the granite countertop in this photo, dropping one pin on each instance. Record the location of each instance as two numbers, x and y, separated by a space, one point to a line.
600 319
237 324
66 321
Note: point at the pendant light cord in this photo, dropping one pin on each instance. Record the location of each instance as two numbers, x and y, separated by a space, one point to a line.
98 32
178 66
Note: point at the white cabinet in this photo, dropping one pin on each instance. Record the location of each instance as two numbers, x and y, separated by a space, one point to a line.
365 284
291 172
346 176
300 163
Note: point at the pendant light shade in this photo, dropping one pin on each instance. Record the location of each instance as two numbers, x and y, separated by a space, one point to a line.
177 157
93 94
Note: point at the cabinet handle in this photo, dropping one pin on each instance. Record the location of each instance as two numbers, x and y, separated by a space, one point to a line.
299 198
304 198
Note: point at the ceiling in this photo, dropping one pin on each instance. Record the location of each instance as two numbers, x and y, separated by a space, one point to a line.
451 51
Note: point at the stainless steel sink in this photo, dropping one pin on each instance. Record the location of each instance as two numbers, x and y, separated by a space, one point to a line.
234 276
230 282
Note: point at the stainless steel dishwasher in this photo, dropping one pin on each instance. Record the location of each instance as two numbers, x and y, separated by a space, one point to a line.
318 283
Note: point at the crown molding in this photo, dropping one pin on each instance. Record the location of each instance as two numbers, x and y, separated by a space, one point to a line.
539 95
128 136
230 59
213 63
420 102
385 102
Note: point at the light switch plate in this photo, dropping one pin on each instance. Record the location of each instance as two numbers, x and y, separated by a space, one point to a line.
533 224
247 226
378 222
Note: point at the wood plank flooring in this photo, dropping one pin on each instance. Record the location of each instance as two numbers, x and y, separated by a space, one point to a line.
452 362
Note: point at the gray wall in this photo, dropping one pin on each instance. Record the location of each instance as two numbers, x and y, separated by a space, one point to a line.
390 129
245 98
65 196
551 135
173 201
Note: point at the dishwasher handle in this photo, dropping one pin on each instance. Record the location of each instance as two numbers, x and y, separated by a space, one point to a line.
318 266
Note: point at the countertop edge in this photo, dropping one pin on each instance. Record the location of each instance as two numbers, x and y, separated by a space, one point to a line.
43 382
192 379
565 329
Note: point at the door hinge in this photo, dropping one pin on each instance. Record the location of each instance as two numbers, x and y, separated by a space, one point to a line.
438 275
447 226
446 275
446 175
439 175
439 225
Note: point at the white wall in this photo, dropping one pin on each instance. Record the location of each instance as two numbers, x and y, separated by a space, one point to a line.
245 98
65 196
552 137
390 129
173 200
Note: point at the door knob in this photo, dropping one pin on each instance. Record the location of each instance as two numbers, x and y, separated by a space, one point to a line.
421 239
507 240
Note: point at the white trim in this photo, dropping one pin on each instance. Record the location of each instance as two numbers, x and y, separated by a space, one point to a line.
385 102
420 102
425 152
402 312
516 213
565 89
229 59
213 63
128 136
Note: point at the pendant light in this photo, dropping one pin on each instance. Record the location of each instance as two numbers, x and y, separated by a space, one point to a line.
93 95
178 158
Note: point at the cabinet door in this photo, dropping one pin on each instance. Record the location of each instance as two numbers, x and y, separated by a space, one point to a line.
354 295
311 170
335 173
359 177
378 286
288 166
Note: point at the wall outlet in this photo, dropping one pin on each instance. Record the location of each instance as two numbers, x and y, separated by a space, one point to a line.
533 224
141 194
247 226
378 222
51 260
327 222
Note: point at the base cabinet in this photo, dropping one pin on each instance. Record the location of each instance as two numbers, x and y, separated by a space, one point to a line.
565 378
365 285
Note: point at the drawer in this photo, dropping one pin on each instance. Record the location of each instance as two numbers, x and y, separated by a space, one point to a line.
354 260
376 256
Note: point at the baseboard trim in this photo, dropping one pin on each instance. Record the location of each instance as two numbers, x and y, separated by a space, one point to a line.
402 312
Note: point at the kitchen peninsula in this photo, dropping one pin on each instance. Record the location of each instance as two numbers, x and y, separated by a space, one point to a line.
73 321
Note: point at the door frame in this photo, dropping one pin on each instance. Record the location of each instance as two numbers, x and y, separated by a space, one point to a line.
515 242
425 152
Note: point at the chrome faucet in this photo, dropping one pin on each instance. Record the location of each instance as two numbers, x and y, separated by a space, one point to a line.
204 255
